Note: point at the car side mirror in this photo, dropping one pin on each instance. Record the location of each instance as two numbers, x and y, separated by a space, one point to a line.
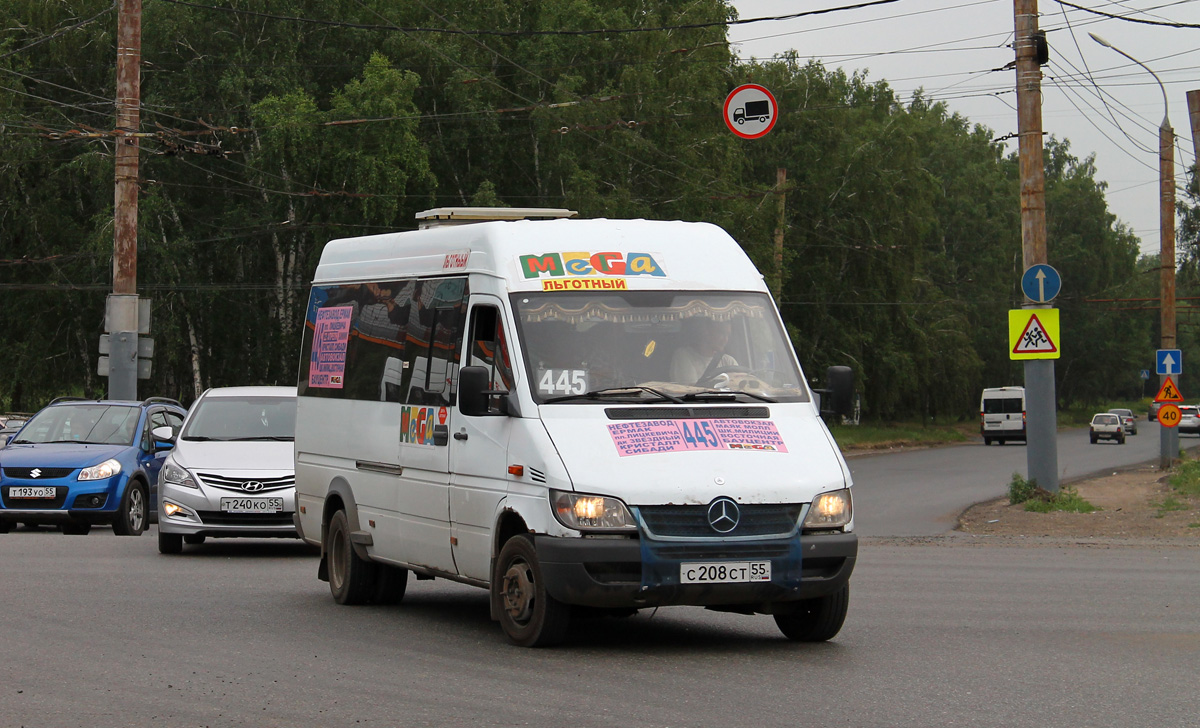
164 438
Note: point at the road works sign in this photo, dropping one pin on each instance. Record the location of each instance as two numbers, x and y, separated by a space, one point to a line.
1169 392
1033 333
750 111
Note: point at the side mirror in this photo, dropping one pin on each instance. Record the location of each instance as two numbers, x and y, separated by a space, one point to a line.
840 381
475 392
164 438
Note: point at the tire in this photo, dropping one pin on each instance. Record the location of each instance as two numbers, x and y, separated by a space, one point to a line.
1121 440
816 620
131 516
987 441
76 529
351 579
529 616
170 543
4 526
193 539
1093 439
390 584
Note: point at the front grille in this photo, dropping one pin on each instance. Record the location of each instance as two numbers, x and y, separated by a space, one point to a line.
220 518
684 413
722 551
692 521
60 497
217 480
43 473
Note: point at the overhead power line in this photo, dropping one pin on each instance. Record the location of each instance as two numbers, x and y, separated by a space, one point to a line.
589 31
1127 18
59 32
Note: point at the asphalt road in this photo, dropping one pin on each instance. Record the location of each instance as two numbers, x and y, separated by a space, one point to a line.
922 492
102 631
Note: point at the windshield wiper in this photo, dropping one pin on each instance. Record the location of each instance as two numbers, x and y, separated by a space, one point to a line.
711 394
613 392
201 438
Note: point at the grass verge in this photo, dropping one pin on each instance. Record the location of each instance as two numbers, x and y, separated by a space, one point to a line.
1039 500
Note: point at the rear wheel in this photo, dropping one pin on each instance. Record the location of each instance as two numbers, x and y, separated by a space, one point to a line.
987 441
170 543
131 516
529 616
1093 439
390 584
351 578
816 620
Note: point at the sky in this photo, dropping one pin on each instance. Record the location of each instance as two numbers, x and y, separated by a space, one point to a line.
1103 104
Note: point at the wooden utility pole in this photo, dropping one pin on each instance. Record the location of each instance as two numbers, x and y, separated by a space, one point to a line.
1193 101
122 316
781 206
1041 428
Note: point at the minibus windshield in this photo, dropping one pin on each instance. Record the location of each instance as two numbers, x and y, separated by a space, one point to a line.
606 346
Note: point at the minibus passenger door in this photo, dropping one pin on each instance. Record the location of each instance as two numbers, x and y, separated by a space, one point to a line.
479 444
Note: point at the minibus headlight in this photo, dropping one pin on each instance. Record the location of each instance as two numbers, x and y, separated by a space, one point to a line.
175 475
591 512
104 470
830 510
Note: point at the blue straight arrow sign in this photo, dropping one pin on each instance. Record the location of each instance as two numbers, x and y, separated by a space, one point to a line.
1170 361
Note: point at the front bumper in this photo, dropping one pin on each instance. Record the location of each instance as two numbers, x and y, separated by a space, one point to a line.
93 502
599 572
202 514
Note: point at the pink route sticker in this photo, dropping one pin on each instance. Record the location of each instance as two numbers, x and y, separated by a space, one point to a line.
331 333
644 437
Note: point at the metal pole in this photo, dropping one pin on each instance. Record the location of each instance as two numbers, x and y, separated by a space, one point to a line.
1041 428
122 305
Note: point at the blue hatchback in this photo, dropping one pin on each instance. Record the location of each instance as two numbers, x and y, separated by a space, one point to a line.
82 462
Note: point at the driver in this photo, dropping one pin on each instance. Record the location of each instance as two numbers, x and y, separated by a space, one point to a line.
704 353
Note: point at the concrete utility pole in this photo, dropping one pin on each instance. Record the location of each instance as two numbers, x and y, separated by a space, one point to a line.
1169 438
1041 427
122 319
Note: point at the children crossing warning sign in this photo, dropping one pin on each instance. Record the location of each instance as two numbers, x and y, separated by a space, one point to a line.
1033 333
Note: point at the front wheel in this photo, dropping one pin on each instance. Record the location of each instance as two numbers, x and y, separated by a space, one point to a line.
816 620
131 516
351 579
529 616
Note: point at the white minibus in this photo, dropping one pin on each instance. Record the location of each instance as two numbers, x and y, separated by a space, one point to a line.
1002 415
592 416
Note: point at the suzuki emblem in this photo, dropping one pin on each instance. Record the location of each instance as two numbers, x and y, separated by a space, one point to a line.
35 473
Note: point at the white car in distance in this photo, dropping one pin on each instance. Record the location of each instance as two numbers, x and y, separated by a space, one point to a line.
232 472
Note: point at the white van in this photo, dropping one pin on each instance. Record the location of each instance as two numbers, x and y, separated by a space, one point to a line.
570 413
1002 414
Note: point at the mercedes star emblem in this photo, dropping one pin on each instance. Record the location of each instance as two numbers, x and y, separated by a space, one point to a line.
723 515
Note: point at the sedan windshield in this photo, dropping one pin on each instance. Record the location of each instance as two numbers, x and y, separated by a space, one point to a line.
242 418
606 346
93 424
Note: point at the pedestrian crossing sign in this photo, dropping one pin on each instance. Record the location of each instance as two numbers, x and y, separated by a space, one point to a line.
1033 333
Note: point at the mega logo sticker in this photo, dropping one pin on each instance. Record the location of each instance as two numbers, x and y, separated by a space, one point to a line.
583 264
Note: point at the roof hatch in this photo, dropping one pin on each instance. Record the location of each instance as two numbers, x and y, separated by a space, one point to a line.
440 216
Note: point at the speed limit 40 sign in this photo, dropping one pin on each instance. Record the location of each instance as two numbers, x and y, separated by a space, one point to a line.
1168 415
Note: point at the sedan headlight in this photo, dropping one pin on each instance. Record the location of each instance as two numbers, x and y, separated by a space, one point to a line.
175 475
591 512
830 510
103 471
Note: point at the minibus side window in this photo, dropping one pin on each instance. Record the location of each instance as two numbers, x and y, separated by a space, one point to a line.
489 348
435 332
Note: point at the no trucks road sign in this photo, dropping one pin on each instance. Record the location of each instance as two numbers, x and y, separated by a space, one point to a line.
750 111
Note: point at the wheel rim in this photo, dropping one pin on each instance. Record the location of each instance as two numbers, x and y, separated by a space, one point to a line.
337 560
137 509
517 591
